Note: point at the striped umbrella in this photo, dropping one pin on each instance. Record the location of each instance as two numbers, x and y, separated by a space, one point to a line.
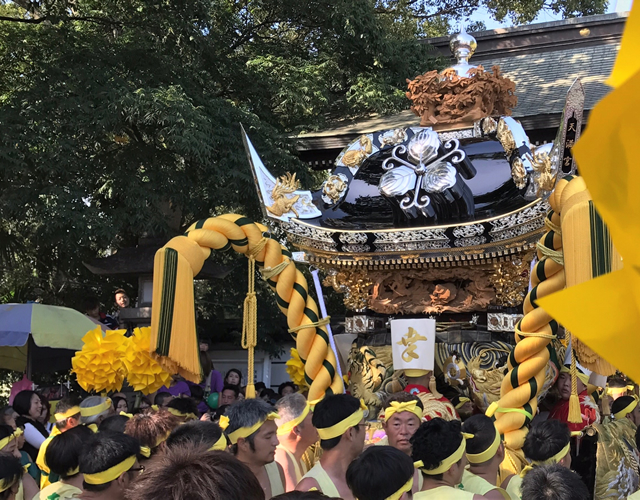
49 326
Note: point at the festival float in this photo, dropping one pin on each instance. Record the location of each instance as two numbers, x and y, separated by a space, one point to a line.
458 219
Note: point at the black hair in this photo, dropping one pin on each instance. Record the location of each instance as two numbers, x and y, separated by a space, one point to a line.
234 388
67 403
10 472
484 431
115 400
103 451
114 423
234 370
434 441
330 411
195 433
379 472
259 386
63 452
6 431
546 439
160 397
120 290
218 412
22 402
184 405
286 384
621 403
90 303
197 392
553 482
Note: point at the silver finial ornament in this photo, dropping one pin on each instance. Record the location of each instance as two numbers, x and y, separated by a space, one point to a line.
462 46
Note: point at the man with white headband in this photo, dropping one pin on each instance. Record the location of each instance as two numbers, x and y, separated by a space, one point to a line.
295 434
485 453
94 410
439 452
251 430
109 462
340 423
548 442
401 417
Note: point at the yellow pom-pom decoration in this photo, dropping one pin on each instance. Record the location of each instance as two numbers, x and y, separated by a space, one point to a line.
295 369
144 373
98 366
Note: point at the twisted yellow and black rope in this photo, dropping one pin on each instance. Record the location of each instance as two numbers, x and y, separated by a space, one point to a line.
174 338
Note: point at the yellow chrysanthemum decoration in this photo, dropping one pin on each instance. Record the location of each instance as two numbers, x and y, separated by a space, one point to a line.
295 369
144 373
98 366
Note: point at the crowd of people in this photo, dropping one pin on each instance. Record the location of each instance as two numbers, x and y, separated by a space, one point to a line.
277 446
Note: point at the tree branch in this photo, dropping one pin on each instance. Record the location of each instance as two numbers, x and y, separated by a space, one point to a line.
21 20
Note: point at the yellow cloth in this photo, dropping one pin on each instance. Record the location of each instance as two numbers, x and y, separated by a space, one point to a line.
112 473
324 481
443 493
42 465
635 496
476 484
514 487
397 407
287 427
299 466
606 155
341 427
58 491
275 479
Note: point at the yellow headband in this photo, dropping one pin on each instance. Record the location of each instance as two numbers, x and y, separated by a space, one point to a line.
488 454
244 432
125 414
461 402
69 413
145 451
110 474
626 410
178 413
220 444
583 378
95 410
5 441
397 407
448 462
73 472
341 427
556 458
616 391
287 427
406 487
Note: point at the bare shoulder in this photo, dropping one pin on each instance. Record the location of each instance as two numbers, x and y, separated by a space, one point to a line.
308 483
497 494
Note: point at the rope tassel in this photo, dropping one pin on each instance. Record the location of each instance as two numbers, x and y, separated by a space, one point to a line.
173 333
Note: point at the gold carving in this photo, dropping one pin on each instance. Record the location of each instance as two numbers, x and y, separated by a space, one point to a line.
504 135
518 173
409 340
392 137
355 157
355 286
489 126
334 187
542 165
285 185
452 99
511 280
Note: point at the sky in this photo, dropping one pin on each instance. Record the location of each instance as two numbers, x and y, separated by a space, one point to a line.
483 15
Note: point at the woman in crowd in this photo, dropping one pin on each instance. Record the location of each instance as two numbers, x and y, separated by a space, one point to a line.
28 406
233 377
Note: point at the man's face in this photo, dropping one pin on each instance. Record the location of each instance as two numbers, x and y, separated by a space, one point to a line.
360 434
122 299
287 390
227 397
308 433
265 443
459 471
400 427
564 385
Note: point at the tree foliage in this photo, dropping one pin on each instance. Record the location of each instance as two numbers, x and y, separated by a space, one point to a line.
120 118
